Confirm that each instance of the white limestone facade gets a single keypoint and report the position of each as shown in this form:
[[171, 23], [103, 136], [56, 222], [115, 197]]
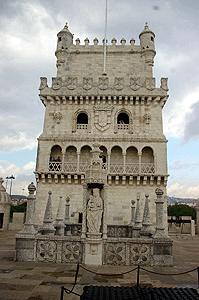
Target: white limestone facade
[[120, 109]]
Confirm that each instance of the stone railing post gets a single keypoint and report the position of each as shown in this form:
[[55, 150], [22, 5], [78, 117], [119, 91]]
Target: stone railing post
[[140, 161], [66, 218], [78, 159], [29, 224], [160, 228], [83, 236], [132, 213], [146, 222], [104, 230]]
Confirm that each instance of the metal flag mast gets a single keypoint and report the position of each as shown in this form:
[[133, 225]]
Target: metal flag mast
[[104, 70]]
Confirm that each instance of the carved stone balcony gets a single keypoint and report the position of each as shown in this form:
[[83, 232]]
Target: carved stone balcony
[[82, 126], [123, 126], [135, 168]]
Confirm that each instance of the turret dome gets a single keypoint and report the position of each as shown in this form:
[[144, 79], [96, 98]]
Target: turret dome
[[4, 196]]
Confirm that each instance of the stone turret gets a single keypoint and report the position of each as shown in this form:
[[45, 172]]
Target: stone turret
[[65, 38], [147, 44]]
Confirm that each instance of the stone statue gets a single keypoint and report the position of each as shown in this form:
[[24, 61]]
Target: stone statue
[[94, 212]]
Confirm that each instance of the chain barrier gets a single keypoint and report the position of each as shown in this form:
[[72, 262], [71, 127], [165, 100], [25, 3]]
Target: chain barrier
[[152, 292]]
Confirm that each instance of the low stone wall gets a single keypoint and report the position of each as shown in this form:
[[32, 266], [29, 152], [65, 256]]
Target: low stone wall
[[115, 251]]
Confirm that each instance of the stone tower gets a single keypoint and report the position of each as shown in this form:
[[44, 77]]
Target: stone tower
[[120, 110]]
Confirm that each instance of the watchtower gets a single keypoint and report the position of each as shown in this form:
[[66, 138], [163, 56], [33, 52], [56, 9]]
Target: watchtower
[[121, 110]]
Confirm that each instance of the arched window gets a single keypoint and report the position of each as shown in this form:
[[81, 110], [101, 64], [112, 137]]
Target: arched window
[[71, 159], [132, 161], [123, 121], [55, 163], [116, 161], [147, 161], [82, 121], [85, 158]]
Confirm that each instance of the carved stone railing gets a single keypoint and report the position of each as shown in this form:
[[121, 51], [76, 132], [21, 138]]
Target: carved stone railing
[[116, 168], [82, 126], [70, 167], [123, 126], [132, 168], [118, 231], [83, 166], [74, 229], [147, 168], [55, 166]]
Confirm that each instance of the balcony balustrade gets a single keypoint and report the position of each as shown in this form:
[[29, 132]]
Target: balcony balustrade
[[123, 126], [135, 168], [82, 126]]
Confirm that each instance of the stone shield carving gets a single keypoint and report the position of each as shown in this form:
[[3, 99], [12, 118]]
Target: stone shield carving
[[87, 83], [164, 85], [150, 83], [103, 83], [135, 83], [102, 119], [56, 83], [119, 83], [43, 83], [71, 83]]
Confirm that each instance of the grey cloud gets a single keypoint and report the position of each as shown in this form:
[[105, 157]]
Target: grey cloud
[[175, 25], [178, 165], [191, 131]]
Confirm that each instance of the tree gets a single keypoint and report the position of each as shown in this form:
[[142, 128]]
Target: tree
[[182, 210]]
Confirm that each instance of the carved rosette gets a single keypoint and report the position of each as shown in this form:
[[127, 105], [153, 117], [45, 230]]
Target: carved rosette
[[150, 83], [164, 85], [46, 251], [57, 116], [71, 83], [135, 83], [119, 83], [140, 254], [102, 119], [115, 254], [43, 83], [103, 83], [72, 252], [87, 83], [56, 83]]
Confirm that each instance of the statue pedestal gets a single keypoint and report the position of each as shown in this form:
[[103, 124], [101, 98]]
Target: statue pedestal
[[93, 251]]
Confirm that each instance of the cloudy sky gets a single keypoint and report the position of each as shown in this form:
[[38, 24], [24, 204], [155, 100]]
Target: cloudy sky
[[27, 45]]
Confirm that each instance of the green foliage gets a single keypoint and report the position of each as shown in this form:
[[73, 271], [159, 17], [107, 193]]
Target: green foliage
[[181, 210], [18, 208]]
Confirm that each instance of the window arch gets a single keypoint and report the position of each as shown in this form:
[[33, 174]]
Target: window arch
[[123, 121], [147, 161], [82, 121], [55, 163]]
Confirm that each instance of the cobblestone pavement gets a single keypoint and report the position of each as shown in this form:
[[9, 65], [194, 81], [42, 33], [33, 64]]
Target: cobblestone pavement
[[41, 281]]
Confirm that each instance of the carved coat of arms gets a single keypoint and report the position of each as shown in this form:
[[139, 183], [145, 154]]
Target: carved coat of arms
[[43, 83], [135, 83], [87, 83], [103, 83], [119, 83], [150, 83], [102, 117], [164, 85], [56, 83], [71, 83]]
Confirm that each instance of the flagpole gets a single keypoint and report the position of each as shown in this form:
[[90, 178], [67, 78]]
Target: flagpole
[[104, 70]]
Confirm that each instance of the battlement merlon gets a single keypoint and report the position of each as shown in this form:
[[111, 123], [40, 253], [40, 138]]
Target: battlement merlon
[[120, 59]]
